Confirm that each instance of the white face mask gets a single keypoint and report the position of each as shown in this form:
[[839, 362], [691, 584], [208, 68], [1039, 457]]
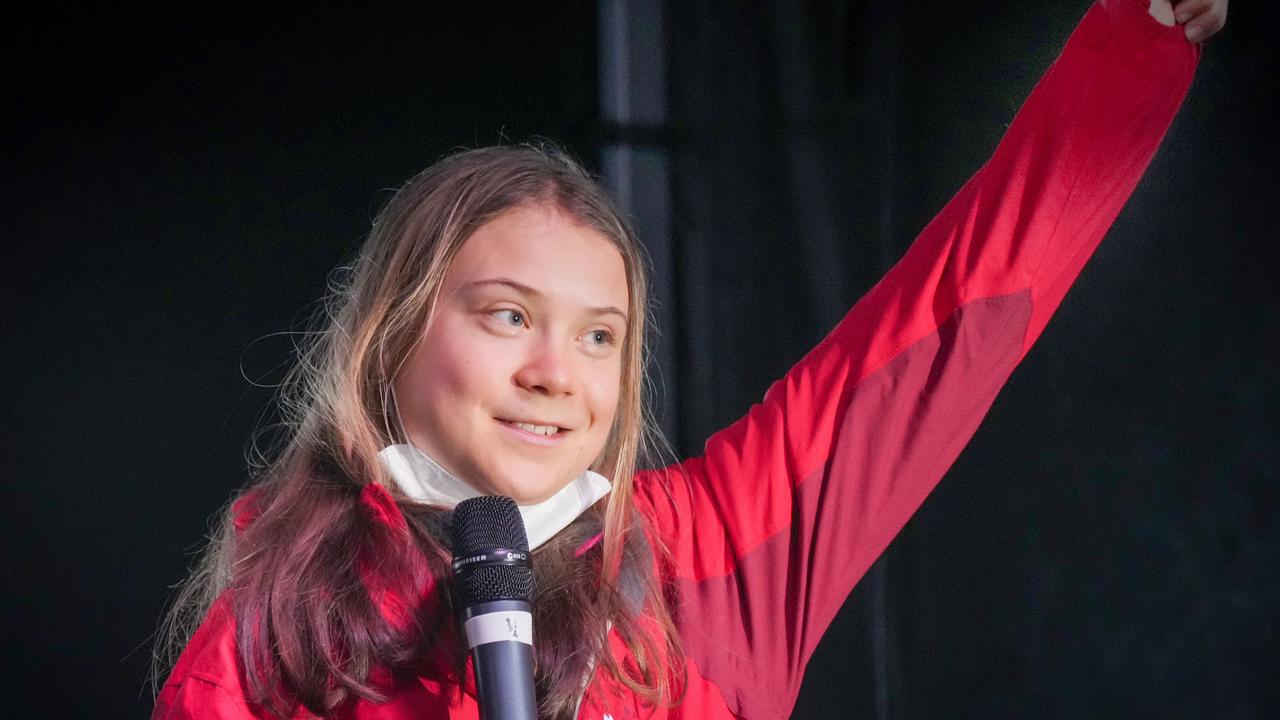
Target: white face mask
[[423, 480]]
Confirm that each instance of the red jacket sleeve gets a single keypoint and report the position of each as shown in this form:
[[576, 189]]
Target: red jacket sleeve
[[787, 508]]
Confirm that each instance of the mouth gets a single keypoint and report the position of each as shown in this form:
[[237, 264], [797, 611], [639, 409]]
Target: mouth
[[538, 428]]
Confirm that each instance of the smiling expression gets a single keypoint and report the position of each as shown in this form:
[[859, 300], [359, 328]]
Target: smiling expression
[[513, 386]]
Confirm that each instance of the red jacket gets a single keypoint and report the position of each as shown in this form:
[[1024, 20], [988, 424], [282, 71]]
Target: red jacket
[[787, 508]]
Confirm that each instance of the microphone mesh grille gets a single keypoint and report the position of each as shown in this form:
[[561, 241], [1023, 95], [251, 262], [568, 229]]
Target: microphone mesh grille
[[488, 523]]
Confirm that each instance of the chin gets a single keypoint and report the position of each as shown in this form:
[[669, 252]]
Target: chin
[[532, 496], [525, 493]]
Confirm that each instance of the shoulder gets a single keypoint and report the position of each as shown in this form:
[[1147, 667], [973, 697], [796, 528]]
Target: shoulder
[[207, 678]]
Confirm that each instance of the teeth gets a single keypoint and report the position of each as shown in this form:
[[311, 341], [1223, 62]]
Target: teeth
[[538, 429]]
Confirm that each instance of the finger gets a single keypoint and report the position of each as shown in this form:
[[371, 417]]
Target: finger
[[1207, 23], [1162, 11], [1187, 10], [1204, 26]]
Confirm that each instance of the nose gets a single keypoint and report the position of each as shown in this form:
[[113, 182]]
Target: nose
[[545, 370]]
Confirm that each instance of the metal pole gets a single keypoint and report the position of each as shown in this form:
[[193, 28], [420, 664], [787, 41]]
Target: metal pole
[[633, 107]]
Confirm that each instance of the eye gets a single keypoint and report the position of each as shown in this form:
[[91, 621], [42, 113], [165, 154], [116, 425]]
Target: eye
[[599, 338], [508, 317]]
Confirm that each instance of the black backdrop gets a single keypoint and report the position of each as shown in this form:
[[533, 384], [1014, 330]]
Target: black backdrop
[[179, 184]]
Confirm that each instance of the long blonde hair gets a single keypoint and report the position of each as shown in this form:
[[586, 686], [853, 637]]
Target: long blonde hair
[[293, 542]]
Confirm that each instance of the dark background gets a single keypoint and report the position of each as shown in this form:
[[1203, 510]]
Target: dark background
[[178, 186]]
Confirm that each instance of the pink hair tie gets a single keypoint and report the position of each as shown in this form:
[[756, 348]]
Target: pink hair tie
[[245, 510], [582, 549], [379, 506]]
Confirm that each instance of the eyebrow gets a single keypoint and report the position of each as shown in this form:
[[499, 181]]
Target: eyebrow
[[532, 292]]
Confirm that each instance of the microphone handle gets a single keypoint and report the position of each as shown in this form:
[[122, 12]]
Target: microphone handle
[[504, 667]]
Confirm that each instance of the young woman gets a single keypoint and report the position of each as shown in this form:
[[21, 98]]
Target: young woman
[[490, 342]]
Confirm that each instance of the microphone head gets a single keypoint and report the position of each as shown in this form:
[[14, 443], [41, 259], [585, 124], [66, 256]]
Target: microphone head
[[490, 551]]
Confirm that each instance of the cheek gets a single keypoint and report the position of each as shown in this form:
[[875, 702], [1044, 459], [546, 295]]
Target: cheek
[[471, 380], [456, 356], [446, 375], [606, 388]]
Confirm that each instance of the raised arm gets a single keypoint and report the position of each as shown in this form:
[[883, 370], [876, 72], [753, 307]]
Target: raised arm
[[773, 525]]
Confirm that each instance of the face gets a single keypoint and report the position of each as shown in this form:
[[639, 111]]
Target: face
[[513, 386]]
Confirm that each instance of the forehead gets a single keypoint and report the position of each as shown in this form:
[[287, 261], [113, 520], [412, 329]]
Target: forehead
[[542, 247]]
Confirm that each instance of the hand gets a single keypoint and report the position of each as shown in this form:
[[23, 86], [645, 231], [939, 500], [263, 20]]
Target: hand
[[1200, 19]]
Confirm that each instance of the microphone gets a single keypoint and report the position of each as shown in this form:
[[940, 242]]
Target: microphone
[[493, 584]]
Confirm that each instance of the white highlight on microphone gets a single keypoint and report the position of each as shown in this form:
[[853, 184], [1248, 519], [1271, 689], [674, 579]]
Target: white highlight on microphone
[[504, 625]]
